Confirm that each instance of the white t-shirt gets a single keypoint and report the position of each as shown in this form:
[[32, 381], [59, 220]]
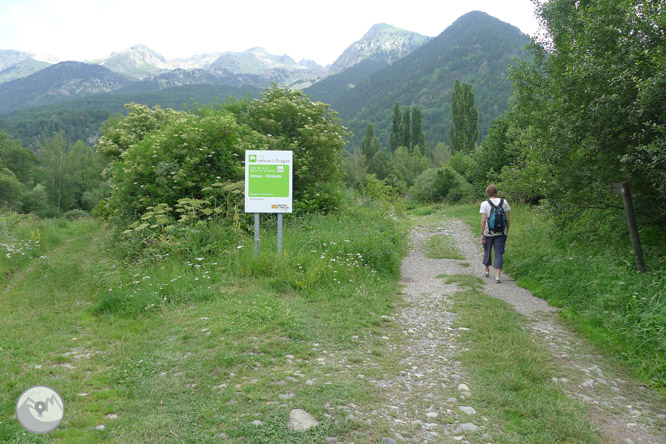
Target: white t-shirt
[[485, 208]]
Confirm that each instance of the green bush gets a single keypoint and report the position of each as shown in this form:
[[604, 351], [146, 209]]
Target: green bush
[[452, 186], [290, 120], [425, 189], [160, 157], [76, 214]]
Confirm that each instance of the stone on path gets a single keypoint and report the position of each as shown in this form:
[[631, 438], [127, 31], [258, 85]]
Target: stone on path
[[467, 427], [300, 420], [388, 441], [468, 410]]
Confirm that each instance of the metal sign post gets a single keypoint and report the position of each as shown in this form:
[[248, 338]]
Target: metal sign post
[[622, 188], [257, 216], [268, 188]]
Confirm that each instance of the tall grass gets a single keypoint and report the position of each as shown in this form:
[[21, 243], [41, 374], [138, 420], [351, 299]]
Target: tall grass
[[591, 275], [24, 237], [333, 255]]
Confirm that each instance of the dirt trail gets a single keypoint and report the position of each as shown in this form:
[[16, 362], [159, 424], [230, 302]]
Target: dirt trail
[[434, 384]]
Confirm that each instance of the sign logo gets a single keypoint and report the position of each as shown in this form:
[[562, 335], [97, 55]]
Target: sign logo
[[253, 158], [40, 409]]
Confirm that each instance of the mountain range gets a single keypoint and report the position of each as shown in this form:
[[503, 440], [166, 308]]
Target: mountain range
[[385, 66]]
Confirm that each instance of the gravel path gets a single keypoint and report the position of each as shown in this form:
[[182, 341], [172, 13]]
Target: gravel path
[[428, 401]]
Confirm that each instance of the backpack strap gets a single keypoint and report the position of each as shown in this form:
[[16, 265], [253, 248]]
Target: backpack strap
[[501, 204]]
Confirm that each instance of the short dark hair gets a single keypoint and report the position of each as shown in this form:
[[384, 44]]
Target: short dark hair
[[491, 191]]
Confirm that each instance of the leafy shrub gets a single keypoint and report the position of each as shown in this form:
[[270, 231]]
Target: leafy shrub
[[291, 121], [161, 157], [424, 189], [76, 214], [178, 160], [452, 185]]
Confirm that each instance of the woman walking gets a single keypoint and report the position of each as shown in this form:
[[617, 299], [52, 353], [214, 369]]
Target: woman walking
[[495, 211]]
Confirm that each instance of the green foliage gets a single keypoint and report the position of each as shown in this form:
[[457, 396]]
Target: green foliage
[[387, 193], [598, 288], [36, 200], [591, 100], [10, 189], [396, 129], [438, 155], [76, 214], [464, 133], [70, 176], [406, 128], [370, 144], [17, 159], [164, 156], [418, 136], [380, 165], [291, 121], [452, 186], [83, 118], [354, 168], [424, 189]]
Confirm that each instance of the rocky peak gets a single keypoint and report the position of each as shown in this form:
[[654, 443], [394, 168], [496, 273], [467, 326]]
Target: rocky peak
[[383, 42]]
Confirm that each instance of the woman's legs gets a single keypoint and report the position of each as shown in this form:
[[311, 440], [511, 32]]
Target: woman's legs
[[497, 243]]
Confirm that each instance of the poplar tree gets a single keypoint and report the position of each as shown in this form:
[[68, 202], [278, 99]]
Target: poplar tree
[[418, 136], [370, 144], [394, 141], [464, 132], [406, 129]]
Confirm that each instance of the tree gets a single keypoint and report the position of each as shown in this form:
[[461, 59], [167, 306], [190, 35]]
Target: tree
[[10, 189], [370, 144], [380, 165], [418, 136], [406, 129], [464, 132], [591, 104], [18, 160], [52, 159], [395, 137], [354, 168]]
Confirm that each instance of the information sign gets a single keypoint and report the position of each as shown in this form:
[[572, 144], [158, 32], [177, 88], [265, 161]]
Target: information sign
[[268, 181]]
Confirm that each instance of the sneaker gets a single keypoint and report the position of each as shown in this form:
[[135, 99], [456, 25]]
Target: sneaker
[[498, 280], [486, 273]]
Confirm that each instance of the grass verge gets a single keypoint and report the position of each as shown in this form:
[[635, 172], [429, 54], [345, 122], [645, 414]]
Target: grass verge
[[592, 278], [512, 372], [442, 246]]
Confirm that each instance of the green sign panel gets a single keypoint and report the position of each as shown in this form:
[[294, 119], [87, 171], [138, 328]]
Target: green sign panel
[[268, 180]]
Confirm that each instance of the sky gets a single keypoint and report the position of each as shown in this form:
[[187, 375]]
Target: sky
[[303, 29]]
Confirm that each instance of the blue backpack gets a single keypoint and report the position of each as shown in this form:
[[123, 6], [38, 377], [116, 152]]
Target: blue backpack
[[497, 219]]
